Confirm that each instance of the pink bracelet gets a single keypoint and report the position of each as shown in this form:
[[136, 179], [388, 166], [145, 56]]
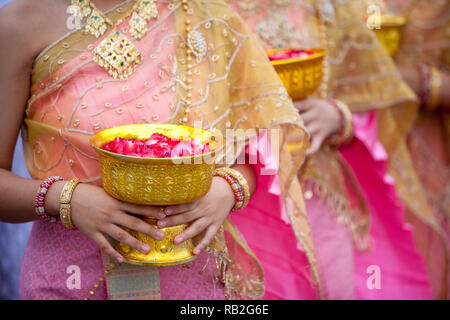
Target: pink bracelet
[[39, 204], [425, 77], [238, 191], [346, 130]]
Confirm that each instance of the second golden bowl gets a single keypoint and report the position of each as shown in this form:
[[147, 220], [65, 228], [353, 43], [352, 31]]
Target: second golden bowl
[[300, 76], [391, 32]]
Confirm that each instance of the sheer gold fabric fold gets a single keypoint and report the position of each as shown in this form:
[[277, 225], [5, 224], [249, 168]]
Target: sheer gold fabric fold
[[426, 40]]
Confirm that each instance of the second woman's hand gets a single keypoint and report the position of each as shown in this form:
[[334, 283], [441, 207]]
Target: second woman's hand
[[204, 215], [321, 120]]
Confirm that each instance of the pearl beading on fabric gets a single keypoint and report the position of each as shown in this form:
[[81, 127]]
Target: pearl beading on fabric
[[189, 52]]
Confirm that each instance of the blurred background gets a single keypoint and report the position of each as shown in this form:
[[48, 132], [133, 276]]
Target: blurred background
[[13, 237]]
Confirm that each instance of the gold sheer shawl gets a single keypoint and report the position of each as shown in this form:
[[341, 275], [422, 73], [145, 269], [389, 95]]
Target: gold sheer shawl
[[359, 73], [426, 40], [235, 87], [365, 77]]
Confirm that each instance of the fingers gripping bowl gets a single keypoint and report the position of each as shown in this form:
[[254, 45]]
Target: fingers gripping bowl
[[157, 182]]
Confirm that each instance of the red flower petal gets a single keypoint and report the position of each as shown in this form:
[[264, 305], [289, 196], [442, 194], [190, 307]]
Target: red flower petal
[[157, 146]]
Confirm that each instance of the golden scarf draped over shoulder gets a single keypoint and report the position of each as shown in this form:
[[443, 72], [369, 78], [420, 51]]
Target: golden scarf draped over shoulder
[[235, 87]]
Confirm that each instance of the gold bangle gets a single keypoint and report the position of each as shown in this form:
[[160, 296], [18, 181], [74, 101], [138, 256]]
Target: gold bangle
[[241, 180], [64, 201], [347, 130], [435, 89]]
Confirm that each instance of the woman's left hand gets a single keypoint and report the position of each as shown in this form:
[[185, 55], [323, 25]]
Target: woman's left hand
[[321, 120], [206, 214]]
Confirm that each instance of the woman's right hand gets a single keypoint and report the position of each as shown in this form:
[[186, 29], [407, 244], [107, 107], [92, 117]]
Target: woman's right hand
[[97, 214]]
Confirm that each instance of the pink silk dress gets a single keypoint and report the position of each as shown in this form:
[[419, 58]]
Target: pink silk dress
[[345, 272], [402, 268], [80, 99]]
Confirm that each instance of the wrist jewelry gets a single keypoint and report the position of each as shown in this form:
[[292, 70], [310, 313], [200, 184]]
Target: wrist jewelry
[[431, 83], [64, 200], [345, 133], [238, 184], [425, 77], [39, 204], [435, 89]]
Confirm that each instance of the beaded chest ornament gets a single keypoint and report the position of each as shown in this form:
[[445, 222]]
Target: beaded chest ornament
[[119, 56]]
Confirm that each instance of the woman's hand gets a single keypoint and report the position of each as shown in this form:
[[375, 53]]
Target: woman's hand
[[97, 214], [413, 78], [321, 119], [206, 214]]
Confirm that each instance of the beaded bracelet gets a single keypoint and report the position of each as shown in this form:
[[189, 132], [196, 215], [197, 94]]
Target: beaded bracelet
[[242, 182], [237, 190], [39, 203], [425, 81], [436, 86], [238, 184], [346, 130]]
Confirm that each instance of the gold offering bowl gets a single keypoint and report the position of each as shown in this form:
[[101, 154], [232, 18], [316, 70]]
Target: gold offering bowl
[[163, 252], [300, 76], [157, 182], [391, 32]]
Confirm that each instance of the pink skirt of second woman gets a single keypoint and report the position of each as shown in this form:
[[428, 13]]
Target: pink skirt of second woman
[[391, 269]]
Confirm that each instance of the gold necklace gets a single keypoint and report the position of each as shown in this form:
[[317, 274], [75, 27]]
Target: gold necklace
[[97, 22], [116, 53], [120, 57]]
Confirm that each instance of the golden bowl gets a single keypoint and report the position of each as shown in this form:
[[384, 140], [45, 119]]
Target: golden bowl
[[391, 32], [300, 76], [157, 182], [162, 252]]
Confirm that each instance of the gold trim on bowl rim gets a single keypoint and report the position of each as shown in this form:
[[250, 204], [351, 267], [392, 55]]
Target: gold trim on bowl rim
[[391, 20], [390, 32]]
